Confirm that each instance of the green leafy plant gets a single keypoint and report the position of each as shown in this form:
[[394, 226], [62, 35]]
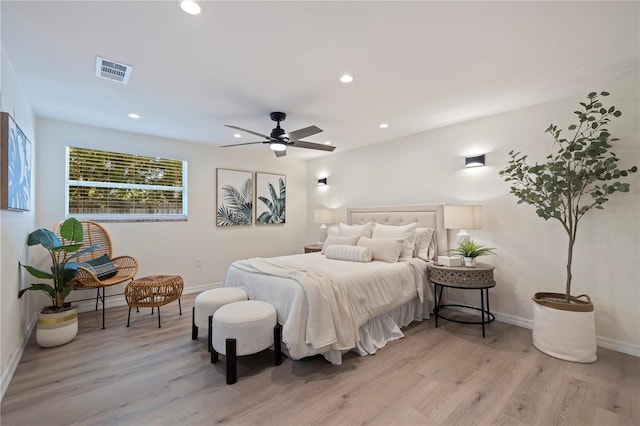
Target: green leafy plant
[[580, 176], [63, 268], [276, 206], [472, 249]]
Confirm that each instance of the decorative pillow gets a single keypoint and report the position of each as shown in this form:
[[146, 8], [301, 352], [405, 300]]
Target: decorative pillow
[[350, 253], [101, 267], [333, 230], [332, 240], [425, 246], [406, 232], [385, 249], [364, 230]]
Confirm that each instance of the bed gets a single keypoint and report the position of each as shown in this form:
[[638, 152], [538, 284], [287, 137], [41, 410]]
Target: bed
[[331, 306]]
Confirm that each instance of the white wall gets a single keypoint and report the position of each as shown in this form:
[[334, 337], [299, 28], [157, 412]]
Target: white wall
[[15, 315], [172, 247], [428, 167]]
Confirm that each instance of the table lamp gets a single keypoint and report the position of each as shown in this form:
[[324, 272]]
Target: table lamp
[[463, 218], [323, 216]]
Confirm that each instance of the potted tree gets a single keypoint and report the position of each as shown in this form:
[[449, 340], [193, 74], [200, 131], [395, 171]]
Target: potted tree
[[58, 323], [469, 250], [578, 177]]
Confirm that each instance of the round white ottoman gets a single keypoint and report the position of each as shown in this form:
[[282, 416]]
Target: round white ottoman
[[244, 328], [208, 302]]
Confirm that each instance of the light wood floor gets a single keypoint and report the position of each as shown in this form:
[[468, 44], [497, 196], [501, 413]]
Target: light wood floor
[[447, 376]]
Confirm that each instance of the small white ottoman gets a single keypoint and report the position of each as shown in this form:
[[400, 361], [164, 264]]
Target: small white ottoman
[[208, 302], [245, 328]]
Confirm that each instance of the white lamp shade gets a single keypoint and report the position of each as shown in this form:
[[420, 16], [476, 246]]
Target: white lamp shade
[[323, 216], [463, 217]]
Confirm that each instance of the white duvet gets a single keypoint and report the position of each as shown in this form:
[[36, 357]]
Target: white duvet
[[321, 303]]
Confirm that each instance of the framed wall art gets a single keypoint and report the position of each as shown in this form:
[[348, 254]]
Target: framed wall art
[[234, 197], [15, 166], [271, 198]]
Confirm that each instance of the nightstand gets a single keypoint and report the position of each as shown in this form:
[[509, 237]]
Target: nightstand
[[312, 248], [479, 277]]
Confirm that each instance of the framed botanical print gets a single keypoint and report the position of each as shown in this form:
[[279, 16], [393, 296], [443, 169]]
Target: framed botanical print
[[234, 197], [271, 198], [15, 166]]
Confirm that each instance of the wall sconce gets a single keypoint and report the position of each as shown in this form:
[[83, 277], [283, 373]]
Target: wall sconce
[[474, 161], [322, 181]]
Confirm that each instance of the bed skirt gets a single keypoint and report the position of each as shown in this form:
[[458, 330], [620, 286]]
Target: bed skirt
[[384, 328]]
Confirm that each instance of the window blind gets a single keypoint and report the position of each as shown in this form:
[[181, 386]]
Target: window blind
[[118, 186]]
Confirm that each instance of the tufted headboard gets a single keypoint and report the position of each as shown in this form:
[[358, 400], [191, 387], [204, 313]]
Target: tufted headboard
[[428, 215]]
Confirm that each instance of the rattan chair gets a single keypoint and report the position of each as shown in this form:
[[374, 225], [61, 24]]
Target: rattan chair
[[94, 233]]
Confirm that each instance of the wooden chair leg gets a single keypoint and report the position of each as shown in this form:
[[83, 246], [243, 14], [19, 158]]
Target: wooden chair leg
[[129, 316], [277, 339], [159, 326], [180, 306], [194, 328], [232, 375], [214, 356]]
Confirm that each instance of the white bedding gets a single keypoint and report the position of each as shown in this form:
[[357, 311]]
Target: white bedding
[[322, 303]]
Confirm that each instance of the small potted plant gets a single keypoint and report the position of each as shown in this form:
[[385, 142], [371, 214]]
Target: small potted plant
[[58, 323], [470, 250]]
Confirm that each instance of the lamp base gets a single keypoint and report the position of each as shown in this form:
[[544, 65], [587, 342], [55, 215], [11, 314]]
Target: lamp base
[[463, 237], [323, 233]]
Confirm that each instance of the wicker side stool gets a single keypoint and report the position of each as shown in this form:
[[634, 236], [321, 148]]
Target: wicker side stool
[[152, 292]]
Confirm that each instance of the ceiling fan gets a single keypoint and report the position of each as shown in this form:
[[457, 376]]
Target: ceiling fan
[[279, 140]]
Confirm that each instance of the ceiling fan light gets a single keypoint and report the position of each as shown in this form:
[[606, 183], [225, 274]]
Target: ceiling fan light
[[277, 146]]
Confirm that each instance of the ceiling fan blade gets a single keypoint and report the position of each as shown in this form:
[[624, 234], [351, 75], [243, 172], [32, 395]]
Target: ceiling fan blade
[[311, 145], [250, 131], [281, 153], [246, 143], [303, 133]]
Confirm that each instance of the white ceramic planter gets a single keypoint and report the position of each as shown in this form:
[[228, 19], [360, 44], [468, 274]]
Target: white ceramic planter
[[470, 262], [56, 329], [565, 334]]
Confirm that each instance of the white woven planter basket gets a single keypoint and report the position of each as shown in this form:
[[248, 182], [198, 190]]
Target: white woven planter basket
[[565, 334]]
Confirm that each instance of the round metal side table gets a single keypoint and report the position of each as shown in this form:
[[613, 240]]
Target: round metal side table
[[479, 277]]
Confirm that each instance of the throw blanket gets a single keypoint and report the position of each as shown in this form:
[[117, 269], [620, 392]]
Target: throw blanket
[[330, 322]]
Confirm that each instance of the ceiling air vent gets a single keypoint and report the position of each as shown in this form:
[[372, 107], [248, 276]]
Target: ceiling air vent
[[111, 70]]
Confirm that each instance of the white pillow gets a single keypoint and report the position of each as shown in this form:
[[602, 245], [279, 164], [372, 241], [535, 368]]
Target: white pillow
[[333, 230], [425, 246], [332, 240], [406, 232], [364, 230], [350, 253], [385, 249]]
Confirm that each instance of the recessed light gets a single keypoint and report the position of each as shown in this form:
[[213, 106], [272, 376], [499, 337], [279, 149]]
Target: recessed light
[[237, 135], [190, 7], [347, 78], [383, 125], [134, 115], [327, 142]]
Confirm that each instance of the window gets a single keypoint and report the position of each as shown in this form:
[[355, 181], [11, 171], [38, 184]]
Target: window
[[103, 185]]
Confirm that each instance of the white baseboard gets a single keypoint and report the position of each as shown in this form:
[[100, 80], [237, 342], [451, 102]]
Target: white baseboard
[[618, 346], [15, 359], [113, 301], [603, 342]]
